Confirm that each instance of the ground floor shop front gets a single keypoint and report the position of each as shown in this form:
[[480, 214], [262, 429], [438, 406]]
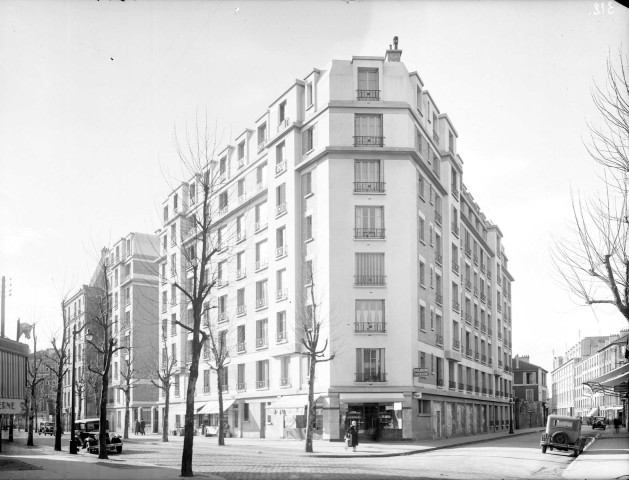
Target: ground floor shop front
[[406, 415]]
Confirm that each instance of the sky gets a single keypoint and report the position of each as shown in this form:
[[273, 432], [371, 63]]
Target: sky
[[91, 94]]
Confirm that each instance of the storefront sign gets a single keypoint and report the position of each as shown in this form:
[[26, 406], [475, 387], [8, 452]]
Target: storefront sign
[[12, 406], [420, 372], [621, 388]]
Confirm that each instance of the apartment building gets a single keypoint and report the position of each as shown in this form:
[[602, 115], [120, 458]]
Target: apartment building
[[530, 390], [133, 285], [81, 309], [348, 188]]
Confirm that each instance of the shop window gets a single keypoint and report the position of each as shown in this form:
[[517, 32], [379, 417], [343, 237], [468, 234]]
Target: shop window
[[424, 407]]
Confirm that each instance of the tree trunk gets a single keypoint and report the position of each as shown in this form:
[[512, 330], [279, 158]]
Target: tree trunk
[[29, 409], [102, 434], [126, 414], [221, 432], [165, 418], [186, 457], [310, 418], [58, 428]]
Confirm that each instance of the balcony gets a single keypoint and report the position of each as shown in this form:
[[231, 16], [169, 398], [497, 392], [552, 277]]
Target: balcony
[[241, 310], [456, 344], [367, 280], [438, 218], [371, 377], [468, 285], [223, 317], [281, 337], [489, 361], [461, 386], [285, 382], [261, 145], [455, 228], [440, 382], [490, 332], [242, 198], [439, 299], [164, 307], [370, 95], [468, 352], [368, 141], [439, 259], [468, 251], [241, 386], [451, 385], [361, 327], [222, 210], [222, 282], [482, 267], [283, 124], [439, 340], [489, 303], [241, 162], [281, 251], [483, 358], [368, 186], [261, 264], [261, 303], [477, 389], [470, 388], [499, 363], [455, 191], [477, 356], [475, 259], [476, 291], [456, 306], [281, 294], [483, 328], [260, 225], [240, 236], [476, 323], [241, 347], [499, 336], [498, 307], [468, 318], [507, 368], [484, 390], [483, 297], [280, 209], [455, 268], [489, 274], [369, 233], [242, 273], [262, 342]]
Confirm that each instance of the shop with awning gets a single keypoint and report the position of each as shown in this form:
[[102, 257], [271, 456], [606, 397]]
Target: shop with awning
[[208, 414], [378, 415], [613, 385], [291, 414]]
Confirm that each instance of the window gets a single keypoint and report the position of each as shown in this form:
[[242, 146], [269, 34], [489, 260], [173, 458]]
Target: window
[[451, 143], [285, 371], [422, 318], [422, 274], [308, 228], [241, 308], [173, 264], [176, 382], [245, 413], [240, 228], [280, 327], [260, 176], [370, 269], [262, 329], [261, 136], [241, 190], [309, 95], [368, 176], [222, 203], [240, 265], [261, 255], [224, 377], [438, 217], [529, 395], [368, 88], [280, 282], [221, 305], [241, 385], [261, 294], [422, 230], [423, 407], [240, 335], [307, 140], [280, 158], [281, 116], [260, 216], [241, 153], [262, 374], [222, 169], [306, 183], [193, 193], [420, 186], [280, 199], [368, 131], [370, 365], [418, 101], [369, 222], [369, 316], [280, 242], [206, 381]]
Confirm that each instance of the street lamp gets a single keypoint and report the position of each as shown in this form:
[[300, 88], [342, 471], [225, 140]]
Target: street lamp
[[511, 403], [88, 337]]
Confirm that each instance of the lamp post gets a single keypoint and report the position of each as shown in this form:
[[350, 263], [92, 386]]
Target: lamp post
[[511, 403], [88, 336]]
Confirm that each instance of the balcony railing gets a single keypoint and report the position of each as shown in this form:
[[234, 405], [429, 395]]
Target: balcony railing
[[440, 382], [285, 382], [455, 268], [371, 377], [470, 388], [483, 358], [368, 95], [499, 363], [240, 236], [451, 385], [439, 340], [439, 259], [490, 331], [455, 228], [456, 306], [483, 328], [456, 344], [261, 264], [222, 282], [223, 317], [261, 302], [476, 356], [476, 291], [461, 386], [489, 303], [489, 361], [241, 347], [283, 124], [438, 217], [483, 297], [477, 389], [281, 251], [369, 233], [482, 267], [368, 141], [262, 342], [241, 386], [241, 310], [476, 323], [370, 327], [439, 299], [241, 273], [476, 259], [468, 352], [281, 294], [369, 279], [455, 191], [468, 285], [369, 186], [260, 225], [280, 337], [280, 209], [468, 251]]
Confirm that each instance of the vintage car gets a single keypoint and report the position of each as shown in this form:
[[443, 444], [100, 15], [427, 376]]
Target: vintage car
[[86, 433], [599, 422], [563, 433], [46, 428]]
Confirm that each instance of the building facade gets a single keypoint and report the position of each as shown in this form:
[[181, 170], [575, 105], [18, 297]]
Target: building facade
[[348, 189], [530, 390], [133, 284]]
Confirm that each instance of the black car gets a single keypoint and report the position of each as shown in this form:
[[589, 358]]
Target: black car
[[86, 432], [599, 422]]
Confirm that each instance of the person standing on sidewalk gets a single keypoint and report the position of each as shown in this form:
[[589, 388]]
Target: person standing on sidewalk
[[353, 434], [137, 427], [616, 425]]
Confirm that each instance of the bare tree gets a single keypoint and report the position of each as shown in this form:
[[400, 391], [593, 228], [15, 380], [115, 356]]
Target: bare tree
[[105, 345], [57, 363], [594, 265], [219, 359], [309, 324], [129, 381], [164, 380], [33, 380]]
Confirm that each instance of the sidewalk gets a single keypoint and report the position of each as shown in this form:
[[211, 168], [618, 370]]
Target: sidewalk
[[606, 458]]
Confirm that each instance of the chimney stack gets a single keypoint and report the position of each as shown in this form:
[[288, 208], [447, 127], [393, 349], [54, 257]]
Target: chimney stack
[[393, 54]]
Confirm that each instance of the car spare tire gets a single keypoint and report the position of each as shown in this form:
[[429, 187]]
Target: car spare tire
[[560, 437]]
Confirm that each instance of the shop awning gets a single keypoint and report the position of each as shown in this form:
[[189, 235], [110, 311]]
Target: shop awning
[[368, 397], [614, 407], [605, 383], [212, 406], [290, 402], [593, 412]]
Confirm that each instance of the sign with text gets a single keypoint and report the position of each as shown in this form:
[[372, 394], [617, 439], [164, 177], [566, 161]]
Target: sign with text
[[12, 406], [420, 372]]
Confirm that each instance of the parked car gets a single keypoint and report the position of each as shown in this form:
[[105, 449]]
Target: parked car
[[86, 432], [563, 433], [46, 428], [599, 422]]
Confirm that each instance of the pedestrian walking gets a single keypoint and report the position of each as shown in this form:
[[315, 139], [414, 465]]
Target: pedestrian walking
[[142, 426], [616, 425], [137, 427], [352, 434]]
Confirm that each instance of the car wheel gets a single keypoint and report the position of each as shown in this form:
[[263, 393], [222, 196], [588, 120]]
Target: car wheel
[[560, 437], [119, 449], [544, 448], [551, 449]]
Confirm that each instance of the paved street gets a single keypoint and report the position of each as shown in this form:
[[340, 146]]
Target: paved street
[[507, 457]]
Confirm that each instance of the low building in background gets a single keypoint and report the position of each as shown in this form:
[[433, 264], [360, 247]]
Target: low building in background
[[530, 391]]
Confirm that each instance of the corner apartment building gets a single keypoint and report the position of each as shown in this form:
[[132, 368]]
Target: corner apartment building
[[80, 309], [352, 174], [530, 390], [133, 285]]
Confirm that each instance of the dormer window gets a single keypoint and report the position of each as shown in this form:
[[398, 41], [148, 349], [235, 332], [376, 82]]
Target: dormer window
[[368, 86]]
